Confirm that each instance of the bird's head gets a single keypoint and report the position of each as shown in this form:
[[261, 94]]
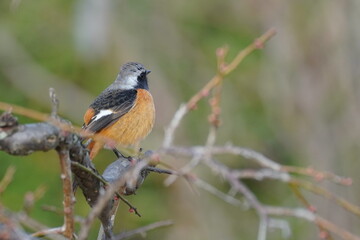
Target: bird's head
[[132, 75]]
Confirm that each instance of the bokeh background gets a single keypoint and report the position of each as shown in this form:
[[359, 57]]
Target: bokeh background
[[296, 101]]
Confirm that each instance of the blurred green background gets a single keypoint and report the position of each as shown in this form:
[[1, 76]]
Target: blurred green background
[[296, 101]]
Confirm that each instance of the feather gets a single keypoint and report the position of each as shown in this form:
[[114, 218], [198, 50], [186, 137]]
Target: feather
[[109, 106]]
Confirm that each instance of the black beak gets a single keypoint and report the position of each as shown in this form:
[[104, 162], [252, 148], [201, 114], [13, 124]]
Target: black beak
[[147, 72]]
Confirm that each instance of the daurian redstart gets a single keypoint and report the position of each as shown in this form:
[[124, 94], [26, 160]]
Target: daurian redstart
[[124, 113]]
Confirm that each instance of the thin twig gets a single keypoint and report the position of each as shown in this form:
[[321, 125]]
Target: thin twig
[[226, 149], [102, 231], [175, 121], [160, 170], [311, 217], [68, 192], [55, 103], [303, 200], [101, 179], [30, 223], [103, 201], [261, 174], [223, 70], [328, 195], [24, 111], [31, 197], [46, 232], [318, 175], [7, 179], [257, 44], [216, 192], [214, 102], [143, 230], [281, 224], [184, 170]]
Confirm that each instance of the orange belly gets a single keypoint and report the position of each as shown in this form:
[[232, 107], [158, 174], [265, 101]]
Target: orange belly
[[131, 128]]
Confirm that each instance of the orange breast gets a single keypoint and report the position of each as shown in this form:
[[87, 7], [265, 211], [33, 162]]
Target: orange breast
[[134, 125]]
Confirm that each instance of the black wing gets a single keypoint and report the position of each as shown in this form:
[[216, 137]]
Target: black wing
[[118, 101]]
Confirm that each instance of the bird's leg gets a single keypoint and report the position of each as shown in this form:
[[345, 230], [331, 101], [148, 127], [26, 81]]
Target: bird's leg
[[118, 153]]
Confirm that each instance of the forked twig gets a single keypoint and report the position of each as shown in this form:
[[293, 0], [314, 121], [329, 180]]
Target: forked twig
[[223, 70]]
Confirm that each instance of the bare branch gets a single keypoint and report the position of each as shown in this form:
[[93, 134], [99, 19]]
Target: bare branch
[[318, 175], [225, 197], [25, 139], [24, 111], [50, 231], [55, 103], [227, 69], [68, 192], [311, 217], [170, 130]]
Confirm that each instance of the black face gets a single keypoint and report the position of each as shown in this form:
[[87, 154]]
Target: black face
[[142, 81]]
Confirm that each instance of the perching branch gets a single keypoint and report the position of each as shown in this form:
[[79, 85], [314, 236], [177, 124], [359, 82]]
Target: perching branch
[[24, 139]]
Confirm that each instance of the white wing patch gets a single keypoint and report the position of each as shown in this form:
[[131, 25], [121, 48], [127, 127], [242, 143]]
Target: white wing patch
[[101, 114]]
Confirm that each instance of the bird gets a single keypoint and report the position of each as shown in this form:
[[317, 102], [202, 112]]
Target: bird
[[123, 114]]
